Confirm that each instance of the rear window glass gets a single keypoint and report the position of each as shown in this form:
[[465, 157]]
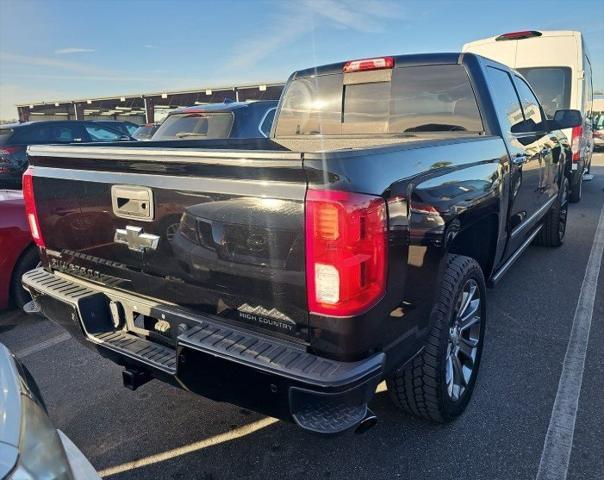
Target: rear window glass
[[5, 134], [436, 98], [195, 125], [33, 134], [551, 85]]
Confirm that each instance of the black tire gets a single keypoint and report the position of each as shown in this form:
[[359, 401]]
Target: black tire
[[28, 261], [576, 187], [421, 387], [554, 225]]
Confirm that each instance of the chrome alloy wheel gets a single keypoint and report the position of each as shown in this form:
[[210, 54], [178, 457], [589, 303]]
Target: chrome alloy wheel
[[464, 340]]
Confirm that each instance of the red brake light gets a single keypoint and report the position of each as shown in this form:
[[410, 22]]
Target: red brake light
[[379, 63], [346, 251], [519, 35], [575, 144], [30, 208]]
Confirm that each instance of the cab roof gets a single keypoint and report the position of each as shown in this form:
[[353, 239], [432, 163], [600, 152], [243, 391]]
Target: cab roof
[[450, 58]]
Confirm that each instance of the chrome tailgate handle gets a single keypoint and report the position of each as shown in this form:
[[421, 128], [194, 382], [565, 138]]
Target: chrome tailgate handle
[[130, 201]]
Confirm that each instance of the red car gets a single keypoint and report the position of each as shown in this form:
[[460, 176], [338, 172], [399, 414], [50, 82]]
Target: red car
[[18, 254]]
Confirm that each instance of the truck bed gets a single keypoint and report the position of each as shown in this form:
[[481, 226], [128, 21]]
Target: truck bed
[[298, 144]]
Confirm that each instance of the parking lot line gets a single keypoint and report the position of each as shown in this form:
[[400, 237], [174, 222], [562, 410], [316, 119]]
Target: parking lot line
[[558, 444], [192, 447], [24, 352]]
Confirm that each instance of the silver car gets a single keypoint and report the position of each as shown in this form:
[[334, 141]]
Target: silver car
[[30, 446]]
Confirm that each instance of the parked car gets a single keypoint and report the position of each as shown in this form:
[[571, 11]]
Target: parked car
[[125, 128], [598, 131], [219, 120], [30, 446], [353, 245], [557, 65], [18, 253], [14, 139], [146, 131]]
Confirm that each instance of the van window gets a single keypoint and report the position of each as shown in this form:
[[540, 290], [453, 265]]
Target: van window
[[432, 98], [530, 105], [506, 100], [551, 85]]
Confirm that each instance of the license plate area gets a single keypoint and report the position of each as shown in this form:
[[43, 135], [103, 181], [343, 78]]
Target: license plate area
[[156, 329], [143, 320]]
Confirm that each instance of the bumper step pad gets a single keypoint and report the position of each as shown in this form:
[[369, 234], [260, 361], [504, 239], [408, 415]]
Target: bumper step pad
[[150, 353], [274, 356], [329, 416]]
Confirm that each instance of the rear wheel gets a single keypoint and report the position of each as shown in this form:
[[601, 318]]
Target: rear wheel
[[438, 383], [576, 186], [554, 225], [28, 261]]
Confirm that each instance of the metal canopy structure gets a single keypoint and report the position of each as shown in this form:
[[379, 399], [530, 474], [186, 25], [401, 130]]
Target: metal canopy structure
[[144, 107]]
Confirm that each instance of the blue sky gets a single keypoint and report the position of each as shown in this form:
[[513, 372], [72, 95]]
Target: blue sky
[[65, 49]]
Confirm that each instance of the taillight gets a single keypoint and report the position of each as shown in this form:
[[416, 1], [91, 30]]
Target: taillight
[[346, 251], [9, 150], [575, 144], [30, 208], [368, 64], [518, 35]]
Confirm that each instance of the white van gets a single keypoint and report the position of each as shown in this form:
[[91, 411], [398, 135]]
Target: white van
[[558, 67]]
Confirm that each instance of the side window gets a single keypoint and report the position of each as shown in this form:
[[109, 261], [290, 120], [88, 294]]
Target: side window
[[101, 134], [267, 122], [530, 106], [32, 134], [131, 128], [506, 100], [64, 134]]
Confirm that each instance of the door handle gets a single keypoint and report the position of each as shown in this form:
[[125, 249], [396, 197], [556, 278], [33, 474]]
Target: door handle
[[519, 159]]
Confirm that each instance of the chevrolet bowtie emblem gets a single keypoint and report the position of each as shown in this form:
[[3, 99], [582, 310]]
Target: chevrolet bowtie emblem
[[136, 239]]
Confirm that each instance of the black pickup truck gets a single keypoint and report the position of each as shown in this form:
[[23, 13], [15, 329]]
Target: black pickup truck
[[292, 274]]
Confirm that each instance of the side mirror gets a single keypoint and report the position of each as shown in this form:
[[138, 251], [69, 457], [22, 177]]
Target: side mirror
[[566, 119]]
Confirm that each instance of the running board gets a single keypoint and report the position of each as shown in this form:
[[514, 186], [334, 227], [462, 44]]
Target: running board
[[506, 266]]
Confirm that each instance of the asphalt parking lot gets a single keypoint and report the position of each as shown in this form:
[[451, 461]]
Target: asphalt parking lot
[[161, 432]]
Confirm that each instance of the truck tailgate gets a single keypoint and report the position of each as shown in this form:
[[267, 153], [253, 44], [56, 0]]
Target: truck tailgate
[[213, 231]]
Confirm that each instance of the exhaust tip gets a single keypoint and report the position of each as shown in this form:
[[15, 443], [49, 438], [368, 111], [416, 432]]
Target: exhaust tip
[[368, 422]]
